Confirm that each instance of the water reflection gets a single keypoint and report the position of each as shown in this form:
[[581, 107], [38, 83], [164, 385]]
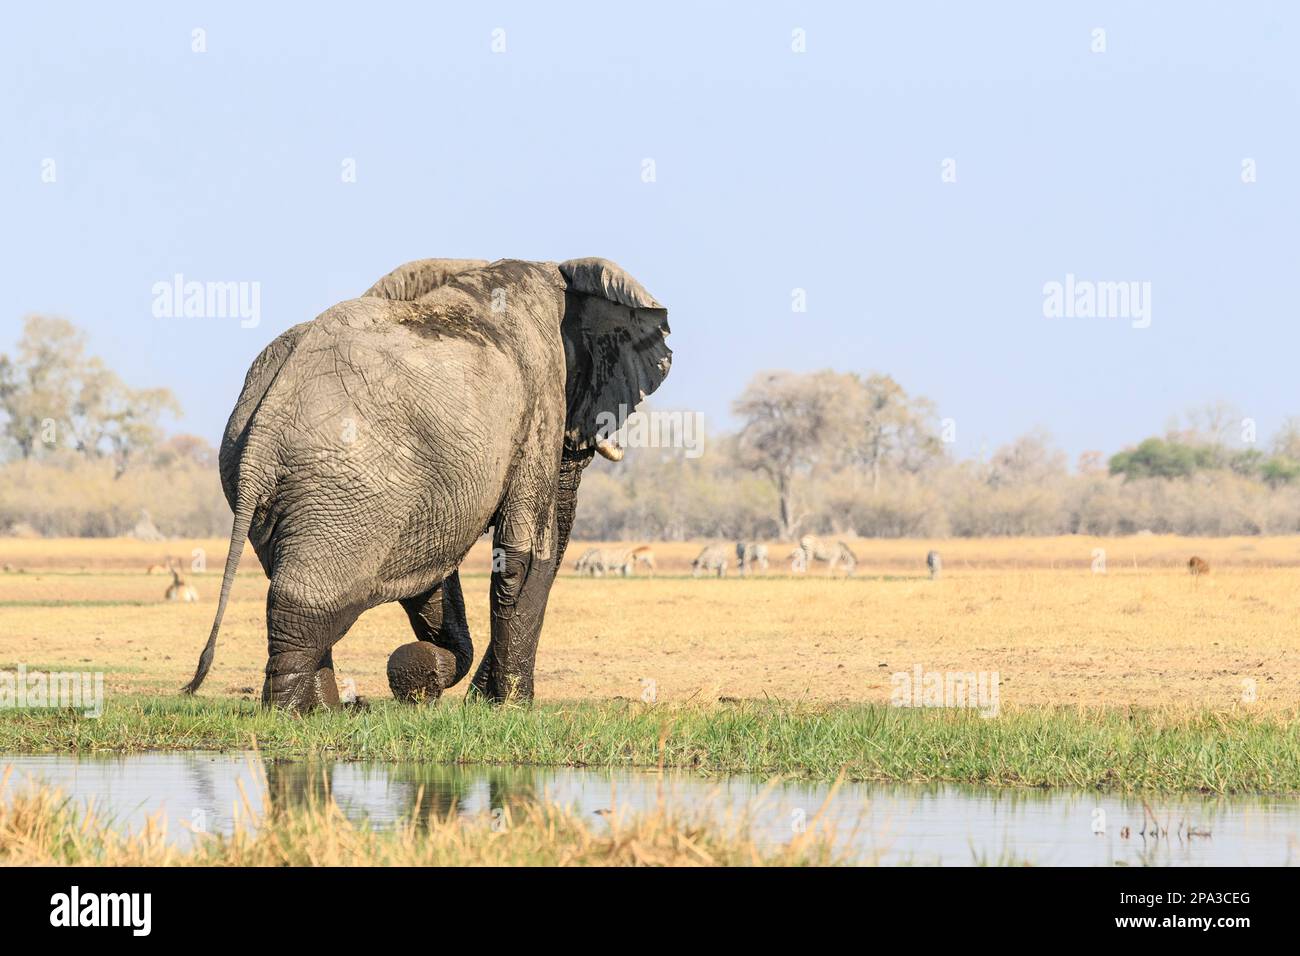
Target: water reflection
[[887, 823], [385, 793]]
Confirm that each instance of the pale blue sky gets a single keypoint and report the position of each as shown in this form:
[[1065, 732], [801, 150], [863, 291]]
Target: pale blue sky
[[775, 170]]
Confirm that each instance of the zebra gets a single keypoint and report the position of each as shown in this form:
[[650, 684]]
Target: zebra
[[597, 562], [935, 564], [712, 560], [587, 564], [750, 554], [839, 556]]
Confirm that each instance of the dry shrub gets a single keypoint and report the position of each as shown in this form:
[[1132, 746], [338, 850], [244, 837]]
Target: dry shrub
[[72, 497]]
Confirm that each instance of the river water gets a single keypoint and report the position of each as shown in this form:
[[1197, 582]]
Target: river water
[[873, 822]]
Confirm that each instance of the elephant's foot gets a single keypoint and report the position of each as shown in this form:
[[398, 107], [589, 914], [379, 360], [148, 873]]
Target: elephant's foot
[[493, 684], [421, 671], [425, 668], [300, 691], [300, 636]]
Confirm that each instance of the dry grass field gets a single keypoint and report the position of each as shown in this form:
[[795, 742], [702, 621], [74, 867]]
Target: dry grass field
[[1035, 610]]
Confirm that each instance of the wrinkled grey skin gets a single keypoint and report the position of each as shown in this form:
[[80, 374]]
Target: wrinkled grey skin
[[597, 562], [714, 559], [751, 555], [372, 446], [935, 564]]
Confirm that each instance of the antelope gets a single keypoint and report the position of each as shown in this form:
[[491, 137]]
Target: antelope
[[644, 555], [180, 589]]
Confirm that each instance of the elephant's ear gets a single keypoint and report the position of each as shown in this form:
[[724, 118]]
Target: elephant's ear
[[410, 281], [614, 332]]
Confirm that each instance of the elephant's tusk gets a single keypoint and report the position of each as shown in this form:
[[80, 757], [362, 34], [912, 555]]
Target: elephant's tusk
[[609, 450]]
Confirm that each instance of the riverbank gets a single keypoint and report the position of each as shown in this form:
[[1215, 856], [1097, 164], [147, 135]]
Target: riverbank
[[1168, 750]]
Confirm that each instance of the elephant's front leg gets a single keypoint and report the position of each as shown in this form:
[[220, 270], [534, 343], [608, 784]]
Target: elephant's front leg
[[524, 565]]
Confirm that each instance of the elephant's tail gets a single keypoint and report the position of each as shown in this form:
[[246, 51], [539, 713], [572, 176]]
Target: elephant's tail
[[238, 535]]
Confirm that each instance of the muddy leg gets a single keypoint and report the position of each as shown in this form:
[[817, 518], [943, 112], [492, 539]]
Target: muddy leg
[[300, 634], [442, 652]]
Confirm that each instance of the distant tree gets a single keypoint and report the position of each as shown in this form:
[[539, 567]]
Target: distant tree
[[132, 428], [10, 385], [1280, 470], [1028, 460], [53, 394], [791, 424], [1212, 424], [1091, 463], [1162, 458], [896, 428], [185, 449], [38, 385], [1247, 461], [1286, 442]]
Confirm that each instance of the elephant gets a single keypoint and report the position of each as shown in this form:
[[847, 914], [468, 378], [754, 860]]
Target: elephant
[[712, 560], [750, 555], [935, 564], [373, 445], [421, 793]]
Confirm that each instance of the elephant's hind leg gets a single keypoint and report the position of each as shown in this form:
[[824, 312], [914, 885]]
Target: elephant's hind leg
[[301, 630], [443, 650]]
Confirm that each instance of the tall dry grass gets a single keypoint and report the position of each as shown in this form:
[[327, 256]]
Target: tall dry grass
[[39, 827]]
